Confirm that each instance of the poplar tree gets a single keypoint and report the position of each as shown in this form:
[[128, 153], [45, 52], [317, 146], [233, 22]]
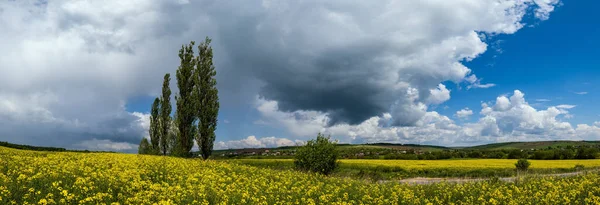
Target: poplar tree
[[185, 112], [207, 99], [155, 126], [165, 114]]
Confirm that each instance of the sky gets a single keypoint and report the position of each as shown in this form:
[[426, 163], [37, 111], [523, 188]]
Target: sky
[[83, 74]]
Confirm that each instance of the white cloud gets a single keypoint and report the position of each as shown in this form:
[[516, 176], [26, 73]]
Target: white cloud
[[510, 118], [439, 95], [464, 113], [566, 106], [543, 100], [476, 83], [544, 9], [106, 145], [72, 64], [253, 142], [581, 93]]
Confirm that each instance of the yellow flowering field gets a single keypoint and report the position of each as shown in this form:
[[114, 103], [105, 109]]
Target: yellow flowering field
[[474, 163], [28, 177], [458, 163], [401, 169]]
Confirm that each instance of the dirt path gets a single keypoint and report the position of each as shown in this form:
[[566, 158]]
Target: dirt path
[[422, 180]]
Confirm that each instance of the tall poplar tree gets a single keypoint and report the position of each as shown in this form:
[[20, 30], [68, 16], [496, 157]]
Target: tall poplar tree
[[207, 99], [186, 114], [155, 126], [165, 114]]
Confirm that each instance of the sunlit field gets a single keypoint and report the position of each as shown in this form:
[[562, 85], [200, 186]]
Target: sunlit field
[[28, 177], [459, 163], [397, 169]]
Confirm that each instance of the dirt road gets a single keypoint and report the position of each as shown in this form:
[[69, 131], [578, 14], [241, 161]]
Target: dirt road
[[422, 180]]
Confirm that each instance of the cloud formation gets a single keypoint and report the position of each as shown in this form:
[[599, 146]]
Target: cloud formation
[[69, 68], [253, 142], [464, 113], [508, 118]]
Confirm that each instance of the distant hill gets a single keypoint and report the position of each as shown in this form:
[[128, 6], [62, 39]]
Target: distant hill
[[367, 147], [493, 146], [40, 148], [534, 145], [29, 147]]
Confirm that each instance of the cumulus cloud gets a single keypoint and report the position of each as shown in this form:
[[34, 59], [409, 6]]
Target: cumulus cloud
[[464, 113], [509, 118], [72, 64], [439, 95], [253, 142]]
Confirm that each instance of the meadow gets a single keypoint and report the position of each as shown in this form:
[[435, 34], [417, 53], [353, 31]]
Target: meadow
[[36, 177], [399, 169]]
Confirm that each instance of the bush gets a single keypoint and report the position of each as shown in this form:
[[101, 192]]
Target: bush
[[318, 155], [579, 167], [522, 165]]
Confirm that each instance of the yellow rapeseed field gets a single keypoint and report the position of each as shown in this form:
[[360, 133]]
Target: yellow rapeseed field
[[474, 163], [28, 177]]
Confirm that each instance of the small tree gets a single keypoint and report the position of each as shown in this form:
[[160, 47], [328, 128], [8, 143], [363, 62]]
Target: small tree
[[522, 165], [165, 114], [318, 155], [144, 147], [155, 127]]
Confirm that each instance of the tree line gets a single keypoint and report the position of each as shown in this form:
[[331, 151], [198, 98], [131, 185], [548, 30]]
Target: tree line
[[197, 107], [568, 152]]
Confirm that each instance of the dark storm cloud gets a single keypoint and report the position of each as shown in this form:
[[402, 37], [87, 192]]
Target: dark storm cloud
[[69, 67]]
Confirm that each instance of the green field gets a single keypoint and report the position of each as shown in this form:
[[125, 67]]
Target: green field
[[400, 169]]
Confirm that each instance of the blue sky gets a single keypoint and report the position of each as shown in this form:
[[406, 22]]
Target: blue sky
[[454, 73], [553, 60]]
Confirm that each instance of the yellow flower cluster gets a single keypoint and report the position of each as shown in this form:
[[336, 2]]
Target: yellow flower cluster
[[28, 177]]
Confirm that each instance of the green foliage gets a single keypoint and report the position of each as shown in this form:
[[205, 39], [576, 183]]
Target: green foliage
[[207, 99], [318, 155], [186, 109], [587, 153], [28, 147], [172, 137], [155, 126], [145, 147], [522, 165], [165, 115], [579, 167]]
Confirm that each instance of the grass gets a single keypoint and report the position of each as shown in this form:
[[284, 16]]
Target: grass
[[400, 169]]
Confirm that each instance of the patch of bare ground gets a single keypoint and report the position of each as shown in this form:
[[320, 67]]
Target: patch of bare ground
[[423, 180]]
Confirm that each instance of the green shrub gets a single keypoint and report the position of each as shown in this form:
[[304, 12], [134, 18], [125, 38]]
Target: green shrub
[[318, 155], [579, 167], [522, 165]]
